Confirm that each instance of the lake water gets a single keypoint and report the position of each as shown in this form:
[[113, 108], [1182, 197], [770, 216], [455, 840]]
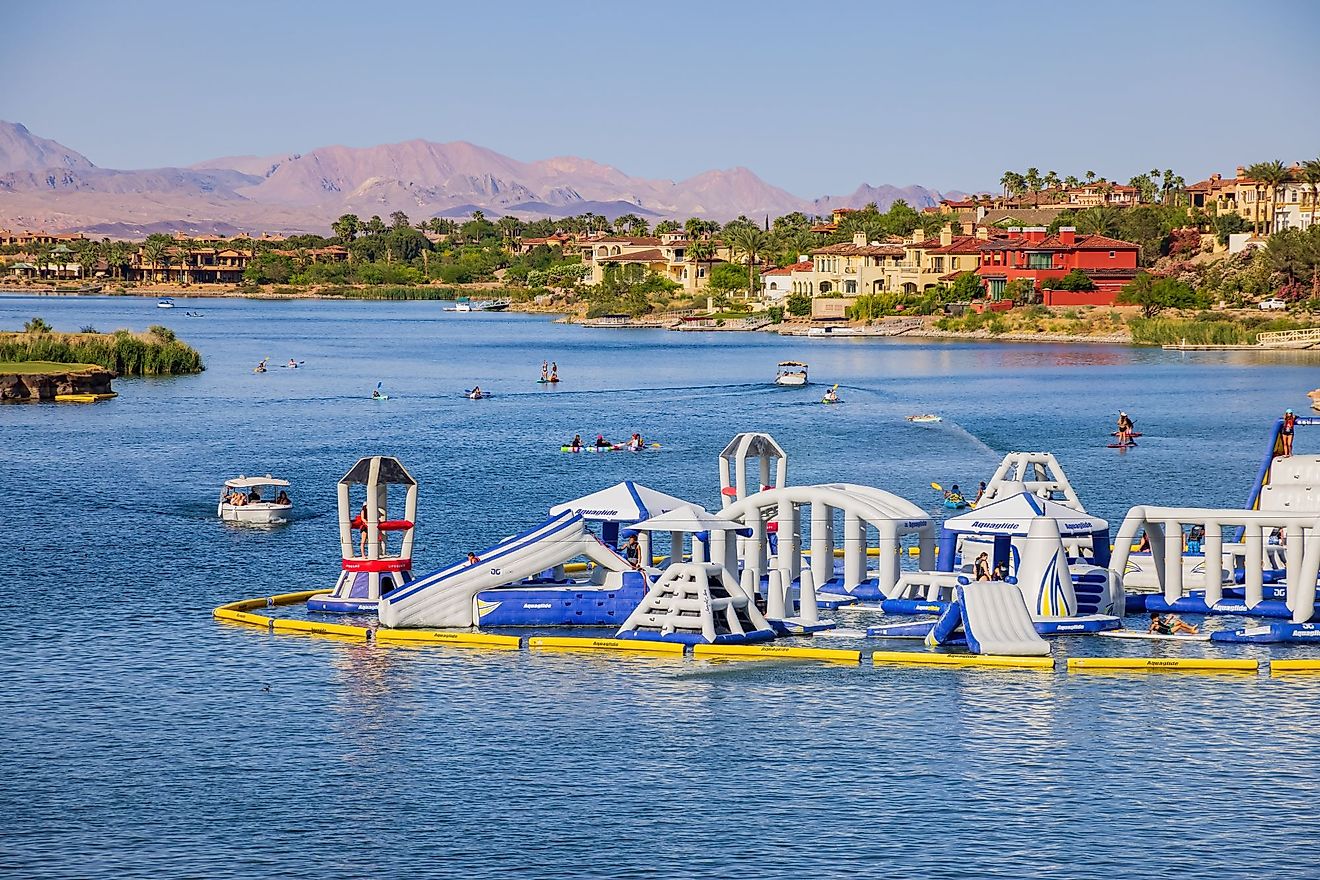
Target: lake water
[[141, 738]]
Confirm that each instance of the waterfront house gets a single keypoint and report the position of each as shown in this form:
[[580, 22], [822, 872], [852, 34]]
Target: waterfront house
[[1034, 255], [847, 268], [665, 255], [1102, 192], [777, 284]]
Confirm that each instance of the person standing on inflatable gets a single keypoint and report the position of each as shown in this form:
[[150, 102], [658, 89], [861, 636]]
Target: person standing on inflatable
[[1286, 433]]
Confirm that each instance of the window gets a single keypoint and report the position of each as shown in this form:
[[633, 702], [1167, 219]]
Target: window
[[939, 264], [1037, 260], [1111, 254], [850, 287]]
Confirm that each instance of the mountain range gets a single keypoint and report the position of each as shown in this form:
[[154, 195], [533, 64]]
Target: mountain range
[[46, 185]]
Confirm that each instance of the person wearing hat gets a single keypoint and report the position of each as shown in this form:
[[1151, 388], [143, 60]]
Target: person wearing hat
[[1286, 433], [1125, 430]]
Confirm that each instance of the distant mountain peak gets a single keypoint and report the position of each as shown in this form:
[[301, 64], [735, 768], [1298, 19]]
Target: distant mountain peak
[[46, 183]]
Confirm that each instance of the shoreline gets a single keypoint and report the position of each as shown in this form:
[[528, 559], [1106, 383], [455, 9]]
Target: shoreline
[[561, 316]]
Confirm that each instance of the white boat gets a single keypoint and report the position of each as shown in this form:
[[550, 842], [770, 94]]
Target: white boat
[[165, 303], [459, 307], [925, 419], [256, 507], [791, 373]]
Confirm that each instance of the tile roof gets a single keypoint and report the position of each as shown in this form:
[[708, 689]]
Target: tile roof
[[804, 266], [847, 249], [653, 255], [961, 244], [1052, 243], [640, 240]]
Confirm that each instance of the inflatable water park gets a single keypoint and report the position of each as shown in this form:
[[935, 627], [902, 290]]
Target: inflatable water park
[[992, 582]]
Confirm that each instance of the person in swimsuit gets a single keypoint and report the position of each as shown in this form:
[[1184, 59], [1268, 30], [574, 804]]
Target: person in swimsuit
[[1286, 433], [473, 559], [601, 442], [980, 493], [282, 498], [577, 443], [1169, 626], [1000, 573], [981, 568], [632, 551], [545, 371], [955, 495], [1125, 429]]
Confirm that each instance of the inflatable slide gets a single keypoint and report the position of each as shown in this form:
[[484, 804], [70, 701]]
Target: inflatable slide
[[447, 597], [993, 619]]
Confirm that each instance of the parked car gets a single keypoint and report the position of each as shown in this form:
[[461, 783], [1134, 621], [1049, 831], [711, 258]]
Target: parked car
[[1271, 305]]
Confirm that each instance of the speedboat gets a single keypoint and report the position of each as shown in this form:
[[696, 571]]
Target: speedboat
[[791, 373], [925, 419], [243, 501], [459, 307], [494, 305], [164, 303]]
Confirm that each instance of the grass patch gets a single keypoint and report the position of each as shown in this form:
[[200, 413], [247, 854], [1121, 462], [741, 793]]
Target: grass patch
[[154, 353], [392, 293], [32, 368], [1205, 329]]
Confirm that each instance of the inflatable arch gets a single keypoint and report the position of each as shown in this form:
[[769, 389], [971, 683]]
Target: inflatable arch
[[744, 449], [861, 506], [1163, 527], [1036, 472]]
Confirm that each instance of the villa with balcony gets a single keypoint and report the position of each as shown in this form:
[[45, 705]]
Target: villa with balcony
[[1034, 255]]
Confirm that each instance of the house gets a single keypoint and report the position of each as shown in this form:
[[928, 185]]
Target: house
[[665, 255], [929, 262], [1034, 255], [831, 308], [777, 284], [845, 268], [1102, 192], [28, 238]]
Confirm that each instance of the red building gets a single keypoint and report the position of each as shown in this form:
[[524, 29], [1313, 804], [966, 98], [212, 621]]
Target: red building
[[1034, 255]]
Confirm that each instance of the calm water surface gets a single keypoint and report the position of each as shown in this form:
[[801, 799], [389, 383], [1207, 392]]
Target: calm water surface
[[141, 738]]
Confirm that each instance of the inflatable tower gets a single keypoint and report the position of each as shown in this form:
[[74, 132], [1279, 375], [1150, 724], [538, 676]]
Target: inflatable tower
[[381, 558]]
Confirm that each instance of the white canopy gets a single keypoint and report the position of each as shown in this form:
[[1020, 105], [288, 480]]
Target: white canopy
[[1014, 514], [241, 482], [690, 518], [626, 502]]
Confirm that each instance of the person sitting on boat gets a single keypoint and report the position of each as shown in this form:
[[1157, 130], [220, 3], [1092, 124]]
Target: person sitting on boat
[[981, 568], [292, 363], [260, 368], [238, 499], [475, 393], [832, 396], [954, 496], [1286, 433], [254, 496], [601, 442], [282, 498], [1171, 625], [375, 394], [1125, 429], [577, 443], [635, 443]]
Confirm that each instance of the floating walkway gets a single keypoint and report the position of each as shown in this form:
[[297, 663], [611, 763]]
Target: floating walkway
[[244, 612]]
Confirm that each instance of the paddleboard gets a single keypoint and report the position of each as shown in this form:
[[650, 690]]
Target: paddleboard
[[1120, 445], [1133, 434], [381, 397], [1154, 637]]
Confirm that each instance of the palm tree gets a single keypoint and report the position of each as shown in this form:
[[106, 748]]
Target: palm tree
[[1009, 182], [1090, 177], [749, 240], [1071, 181], [1033, 182], [1311, 174], [1051, 180], [153, 255], [701, 251], [1100, 220], [346, 228], [509, 226], [1268, 176]]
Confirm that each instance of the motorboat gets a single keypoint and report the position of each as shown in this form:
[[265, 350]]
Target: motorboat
[[924, 419], [791, 373], [494, 305], [459, 307], [165, 302], [255, 501]]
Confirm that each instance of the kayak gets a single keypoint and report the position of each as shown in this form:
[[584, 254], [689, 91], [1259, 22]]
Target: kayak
[[546, 381], [954, 505], [381, 397], [592, 448], [826, 400]]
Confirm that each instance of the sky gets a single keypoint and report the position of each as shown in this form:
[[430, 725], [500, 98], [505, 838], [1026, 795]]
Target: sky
[[813, 97]]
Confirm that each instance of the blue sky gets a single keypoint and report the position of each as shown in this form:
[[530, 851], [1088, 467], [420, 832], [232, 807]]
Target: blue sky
[[813, 97]]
